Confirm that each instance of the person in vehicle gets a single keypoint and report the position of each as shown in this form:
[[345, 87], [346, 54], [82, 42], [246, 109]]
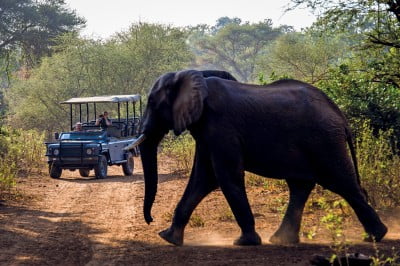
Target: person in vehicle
[[103, 120], [78, 127]]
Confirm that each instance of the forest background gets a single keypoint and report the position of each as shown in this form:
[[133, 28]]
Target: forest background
[[352, 53]]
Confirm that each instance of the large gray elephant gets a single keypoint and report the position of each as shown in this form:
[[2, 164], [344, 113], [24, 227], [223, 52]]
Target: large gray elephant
[[287, 130]]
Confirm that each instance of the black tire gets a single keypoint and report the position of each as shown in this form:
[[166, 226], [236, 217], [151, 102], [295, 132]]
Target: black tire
[[100, 170], [55, 171], [129, 165], [84, 172]]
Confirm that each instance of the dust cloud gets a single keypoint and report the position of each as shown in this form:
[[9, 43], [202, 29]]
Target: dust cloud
[[213, 239]]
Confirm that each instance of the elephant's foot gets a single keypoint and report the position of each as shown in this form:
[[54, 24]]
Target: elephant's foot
[[172, 236], [377, 235], [284, 238], [248, 239]]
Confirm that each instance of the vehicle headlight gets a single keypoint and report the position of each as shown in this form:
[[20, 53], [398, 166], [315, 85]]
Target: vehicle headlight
[[89, 151], [56, 151]]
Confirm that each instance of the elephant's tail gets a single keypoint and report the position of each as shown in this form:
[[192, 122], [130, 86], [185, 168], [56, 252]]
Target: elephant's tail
[[349, 137]]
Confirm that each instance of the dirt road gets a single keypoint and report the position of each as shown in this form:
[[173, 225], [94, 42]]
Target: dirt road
[[75, 221]]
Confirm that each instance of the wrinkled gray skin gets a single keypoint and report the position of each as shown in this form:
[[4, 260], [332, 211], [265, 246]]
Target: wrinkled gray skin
[[287, 130]]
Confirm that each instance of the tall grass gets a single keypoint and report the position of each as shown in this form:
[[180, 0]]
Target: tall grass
[[21, 153], [379, 166]]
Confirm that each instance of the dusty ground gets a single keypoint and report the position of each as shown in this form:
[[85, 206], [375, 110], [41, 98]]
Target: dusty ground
[[75, 221]]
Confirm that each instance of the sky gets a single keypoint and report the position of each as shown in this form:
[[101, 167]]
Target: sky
[[107, 17]]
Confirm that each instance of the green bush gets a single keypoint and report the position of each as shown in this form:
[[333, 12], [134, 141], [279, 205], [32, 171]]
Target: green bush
[[379, 167], [360, 98], [181, 149], [8, 173], [21, 153]]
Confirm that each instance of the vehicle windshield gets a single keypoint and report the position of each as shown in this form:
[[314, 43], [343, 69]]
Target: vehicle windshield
[[82, 135]]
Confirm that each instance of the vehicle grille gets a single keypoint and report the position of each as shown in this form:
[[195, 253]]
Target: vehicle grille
[[71, 151]]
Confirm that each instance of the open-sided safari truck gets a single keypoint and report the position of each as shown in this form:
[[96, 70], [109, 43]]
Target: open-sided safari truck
[[93, 147]]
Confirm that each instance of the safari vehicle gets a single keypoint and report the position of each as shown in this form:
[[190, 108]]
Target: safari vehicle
[[96, 148]]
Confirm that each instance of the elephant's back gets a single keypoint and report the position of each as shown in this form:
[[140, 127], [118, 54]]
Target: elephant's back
[[286, 108]]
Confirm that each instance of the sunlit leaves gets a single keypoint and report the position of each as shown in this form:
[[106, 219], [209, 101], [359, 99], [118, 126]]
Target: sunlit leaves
[[127, 64]]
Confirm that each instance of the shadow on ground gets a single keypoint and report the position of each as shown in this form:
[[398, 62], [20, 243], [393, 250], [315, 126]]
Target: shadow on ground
[[47, 238], [151, 254], [42, 238]]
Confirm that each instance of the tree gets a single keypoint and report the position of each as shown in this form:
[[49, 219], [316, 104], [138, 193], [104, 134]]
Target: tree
[[224, 21], [378, 21], [303, 56], [32, 25], [127, 64], [234, 46]]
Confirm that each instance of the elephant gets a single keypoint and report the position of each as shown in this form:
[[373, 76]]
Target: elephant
[[286, 130], [218, 73]]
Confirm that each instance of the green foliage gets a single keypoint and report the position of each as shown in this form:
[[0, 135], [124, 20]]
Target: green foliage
[[181, 149], [20, 154], [127, 64], [8, 173], [373, 26], [363, 99], [334, 223], [384, 260], [30, 26], [233, 45], [379, 168], [9, 65], [336, 213], [378, 20], [302, 56]]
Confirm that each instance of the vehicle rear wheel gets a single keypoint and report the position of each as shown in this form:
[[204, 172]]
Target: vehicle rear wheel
[[100, 170], [129, 165], [84, 172], [55, 171]]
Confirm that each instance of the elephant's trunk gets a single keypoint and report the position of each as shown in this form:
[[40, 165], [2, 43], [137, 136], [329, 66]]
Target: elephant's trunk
[[148, 150]]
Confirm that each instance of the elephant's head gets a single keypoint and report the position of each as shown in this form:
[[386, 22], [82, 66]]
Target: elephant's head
[[175, 102]]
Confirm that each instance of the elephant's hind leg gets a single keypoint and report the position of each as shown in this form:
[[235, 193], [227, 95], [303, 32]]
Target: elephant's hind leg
[[370, 220], [288, 232], [230, 175], [340, 177], [235, 194]]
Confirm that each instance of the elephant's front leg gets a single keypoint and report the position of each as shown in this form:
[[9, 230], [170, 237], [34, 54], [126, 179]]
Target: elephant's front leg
[[288, 232], [202, 181]]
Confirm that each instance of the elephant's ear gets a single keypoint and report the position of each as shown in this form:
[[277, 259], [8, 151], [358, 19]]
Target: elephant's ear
[[188, 105]]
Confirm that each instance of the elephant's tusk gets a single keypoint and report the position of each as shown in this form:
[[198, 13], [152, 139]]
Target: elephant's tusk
[[139, 140]]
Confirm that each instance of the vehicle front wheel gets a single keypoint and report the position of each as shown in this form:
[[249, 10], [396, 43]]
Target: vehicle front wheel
[[100, 170], [55, 171], [84, 172], [129, 165]]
